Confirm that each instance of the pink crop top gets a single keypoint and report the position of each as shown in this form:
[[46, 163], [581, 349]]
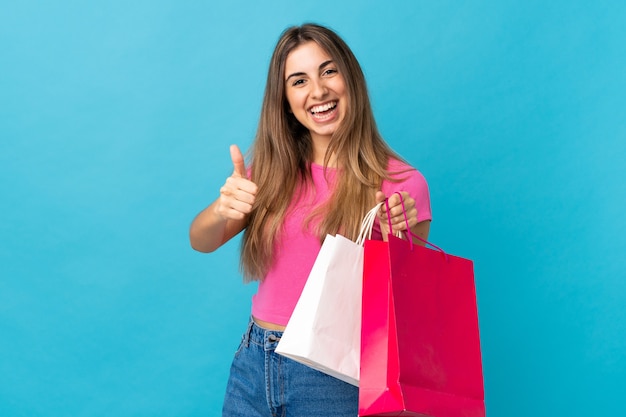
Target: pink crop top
[[298, 247]]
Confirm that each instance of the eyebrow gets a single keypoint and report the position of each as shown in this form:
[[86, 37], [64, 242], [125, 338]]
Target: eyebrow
[[298, 74]]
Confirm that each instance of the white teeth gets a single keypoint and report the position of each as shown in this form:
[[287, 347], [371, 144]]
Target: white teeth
[[324, 107]]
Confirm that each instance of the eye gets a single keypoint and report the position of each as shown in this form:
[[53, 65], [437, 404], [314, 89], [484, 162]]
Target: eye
[[329, 71], [298, 82]]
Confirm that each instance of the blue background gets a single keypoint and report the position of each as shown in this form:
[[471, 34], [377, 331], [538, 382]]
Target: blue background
[[115, 122]]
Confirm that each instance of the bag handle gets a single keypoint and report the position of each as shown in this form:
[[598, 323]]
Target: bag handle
[[409, 233], [368, 224]]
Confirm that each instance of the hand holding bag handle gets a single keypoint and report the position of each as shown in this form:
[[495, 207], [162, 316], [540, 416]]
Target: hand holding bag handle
[[409, 233], [368, 224]]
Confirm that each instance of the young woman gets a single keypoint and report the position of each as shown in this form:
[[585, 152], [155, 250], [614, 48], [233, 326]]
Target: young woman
[[318, 164]]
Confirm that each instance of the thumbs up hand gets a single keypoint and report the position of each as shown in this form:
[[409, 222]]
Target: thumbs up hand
[[238, 194]]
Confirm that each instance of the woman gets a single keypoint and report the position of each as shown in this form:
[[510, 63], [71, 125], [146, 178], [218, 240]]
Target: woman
[[318, 164]]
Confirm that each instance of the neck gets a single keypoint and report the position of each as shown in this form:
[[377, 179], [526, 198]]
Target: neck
[[320, 146]]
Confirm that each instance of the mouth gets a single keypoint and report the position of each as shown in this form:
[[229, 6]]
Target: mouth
[[323, 112]]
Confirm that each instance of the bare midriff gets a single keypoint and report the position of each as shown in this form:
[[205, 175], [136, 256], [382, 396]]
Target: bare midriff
[[269, 326]]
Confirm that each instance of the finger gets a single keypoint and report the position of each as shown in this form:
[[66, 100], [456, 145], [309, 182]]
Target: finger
[[240, 206], [403, 223], [394, 200], [235, 183], [399, 205], [390, 207], [238, 161], [232, 207], [231, 197], [231, 213]]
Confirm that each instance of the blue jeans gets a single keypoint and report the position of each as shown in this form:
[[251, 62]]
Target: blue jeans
[[263, 383]]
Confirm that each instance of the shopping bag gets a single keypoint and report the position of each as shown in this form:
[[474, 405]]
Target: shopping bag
[[324, 330], [420, 347]]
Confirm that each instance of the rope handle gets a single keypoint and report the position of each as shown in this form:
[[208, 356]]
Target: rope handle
[[409, 233], [368, 224]]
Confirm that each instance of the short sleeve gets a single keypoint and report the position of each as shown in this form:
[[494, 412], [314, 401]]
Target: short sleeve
[[413, 182]]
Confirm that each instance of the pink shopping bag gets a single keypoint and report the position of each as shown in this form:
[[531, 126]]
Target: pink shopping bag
[[420, 347]]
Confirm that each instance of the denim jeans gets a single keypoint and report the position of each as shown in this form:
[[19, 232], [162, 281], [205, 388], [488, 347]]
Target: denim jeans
[[263, 383]]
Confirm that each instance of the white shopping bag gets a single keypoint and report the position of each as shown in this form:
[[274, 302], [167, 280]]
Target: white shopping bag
[[324, 331]]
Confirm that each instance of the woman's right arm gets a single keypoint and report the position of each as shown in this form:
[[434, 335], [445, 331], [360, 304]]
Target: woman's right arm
[[228, 215]]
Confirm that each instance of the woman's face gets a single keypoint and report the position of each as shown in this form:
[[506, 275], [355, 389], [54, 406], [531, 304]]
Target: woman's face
[[315, 90]]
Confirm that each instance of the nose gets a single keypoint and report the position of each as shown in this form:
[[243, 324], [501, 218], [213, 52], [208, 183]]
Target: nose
[[319, 89]]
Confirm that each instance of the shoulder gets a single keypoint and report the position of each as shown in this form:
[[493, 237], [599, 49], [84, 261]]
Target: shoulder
[[402, 173]]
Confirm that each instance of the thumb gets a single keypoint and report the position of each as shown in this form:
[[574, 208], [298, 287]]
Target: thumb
[[380, 197], [238, 161]]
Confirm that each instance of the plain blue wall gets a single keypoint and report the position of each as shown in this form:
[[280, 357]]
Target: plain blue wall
[[115, 121]]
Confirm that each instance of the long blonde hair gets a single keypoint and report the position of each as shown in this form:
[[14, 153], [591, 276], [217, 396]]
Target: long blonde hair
[[282, 151]]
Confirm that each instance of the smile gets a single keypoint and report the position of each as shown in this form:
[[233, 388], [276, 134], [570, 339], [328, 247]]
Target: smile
[[323, 107]]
